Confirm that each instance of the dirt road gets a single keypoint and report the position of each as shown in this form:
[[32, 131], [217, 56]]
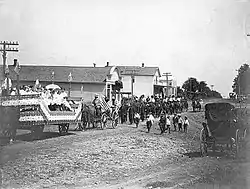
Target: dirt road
[[126, 157]]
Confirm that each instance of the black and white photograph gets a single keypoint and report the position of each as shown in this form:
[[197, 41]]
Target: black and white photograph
[[125, 94]]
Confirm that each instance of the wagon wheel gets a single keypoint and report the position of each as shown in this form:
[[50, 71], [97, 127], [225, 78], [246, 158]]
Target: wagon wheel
[[114, 120], [9, 133], [63, 128], [203, 144], [244, 134]]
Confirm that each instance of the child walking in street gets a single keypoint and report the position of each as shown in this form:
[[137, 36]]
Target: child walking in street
[[180, 122], [186, 124], [150, 121], [137, 119], [168, 123]]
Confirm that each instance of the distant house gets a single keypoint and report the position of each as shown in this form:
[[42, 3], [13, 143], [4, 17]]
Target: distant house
[[171, 87], [84, 81], [146, 80]]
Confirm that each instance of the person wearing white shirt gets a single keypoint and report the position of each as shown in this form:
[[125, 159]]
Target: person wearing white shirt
[[168, 124], [180, 123], [150, 121], [186, 124], [152, 99]]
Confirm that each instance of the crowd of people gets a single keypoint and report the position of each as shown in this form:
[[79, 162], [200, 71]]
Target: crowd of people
[[55, 99], [149, 108]]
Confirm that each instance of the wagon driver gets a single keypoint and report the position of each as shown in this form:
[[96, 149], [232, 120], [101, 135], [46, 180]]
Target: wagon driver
[[96, 103]]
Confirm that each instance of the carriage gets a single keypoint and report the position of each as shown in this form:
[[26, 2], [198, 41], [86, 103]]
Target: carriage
[[222, 127], [196, 104], [31, 112], [107, 117]]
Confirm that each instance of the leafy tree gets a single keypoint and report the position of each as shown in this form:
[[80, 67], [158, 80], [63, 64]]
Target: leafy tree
[[195, 89], [191, 86], [241, 83], [180, 92]]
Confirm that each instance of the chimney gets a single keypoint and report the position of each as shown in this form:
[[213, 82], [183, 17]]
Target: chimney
[[94, 64], [142, 65], [15, 62], [107, 64]]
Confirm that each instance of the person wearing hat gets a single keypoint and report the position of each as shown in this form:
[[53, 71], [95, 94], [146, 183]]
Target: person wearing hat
[[162, 122], [96, 103]]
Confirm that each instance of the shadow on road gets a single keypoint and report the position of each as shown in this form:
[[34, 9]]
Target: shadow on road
[[45, 135], [209, 154]]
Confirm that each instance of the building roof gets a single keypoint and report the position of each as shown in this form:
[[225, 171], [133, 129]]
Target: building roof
[[61, 73], [141, 71]]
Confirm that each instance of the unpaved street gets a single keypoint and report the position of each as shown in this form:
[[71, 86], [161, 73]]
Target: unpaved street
[[126, 157]]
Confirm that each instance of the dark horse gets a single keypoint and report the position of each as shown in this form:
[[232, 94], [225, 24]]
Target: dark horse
[[88, 117], [196, 105]]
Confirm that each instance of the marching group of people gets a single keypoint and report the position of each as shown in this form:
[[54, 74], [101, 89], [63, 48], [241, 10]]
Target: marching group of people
[[148, 109]]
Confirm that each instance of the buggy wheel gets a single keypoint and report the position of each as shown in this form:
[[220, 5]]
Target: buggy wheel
[[63, 128], [244, 134], [115, 123], [9, 133], [237, 142]]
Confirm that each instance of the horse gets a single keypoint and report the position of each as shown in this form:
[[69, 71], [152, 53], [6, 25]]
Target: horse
[[196, 105], [88, 117]]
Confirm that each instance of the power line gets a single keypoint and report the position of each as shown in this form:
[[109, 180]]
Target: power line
[[167, 74], [132, 72], [6, 47]]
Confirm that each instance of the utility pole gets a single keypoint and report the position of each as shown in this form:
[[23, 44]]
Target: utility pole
[[133, 73], [238, 80], [6, 47], [52, 77], [167, 74]]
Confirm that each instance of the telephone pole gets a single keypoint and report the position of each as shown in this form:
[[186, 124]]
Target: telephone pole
[[167, 74], [132, 73], [6, 47]]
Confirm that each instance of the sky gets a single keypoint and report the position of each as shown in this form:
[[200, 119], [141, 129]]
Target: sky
[[205, 39]]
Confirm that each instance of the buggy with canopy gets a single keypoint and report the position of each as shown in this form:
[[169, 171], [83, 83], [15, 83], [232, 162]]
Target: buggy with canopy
[[222, 127]]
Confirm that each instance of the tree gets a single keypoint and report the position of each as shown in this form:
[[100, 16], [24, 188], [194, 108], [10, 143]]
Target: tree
[[191, 86], [241, 83], [180, 92], [195, 89]]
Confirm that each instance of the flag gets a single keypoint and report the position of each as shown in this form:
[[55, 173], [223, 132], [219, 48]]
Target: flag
[[117, 107], [104, 105], [17, 68], [70, 77]]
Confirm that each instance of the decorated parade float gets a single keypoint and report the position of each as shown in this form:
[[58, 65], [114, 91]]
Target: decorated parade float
[[35, 111]]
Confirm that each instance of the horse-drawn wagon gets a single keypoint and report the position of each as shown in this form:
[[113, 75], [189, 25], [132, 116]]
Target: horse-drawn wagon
[[33, 113], [107, 116], [222, 127]]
